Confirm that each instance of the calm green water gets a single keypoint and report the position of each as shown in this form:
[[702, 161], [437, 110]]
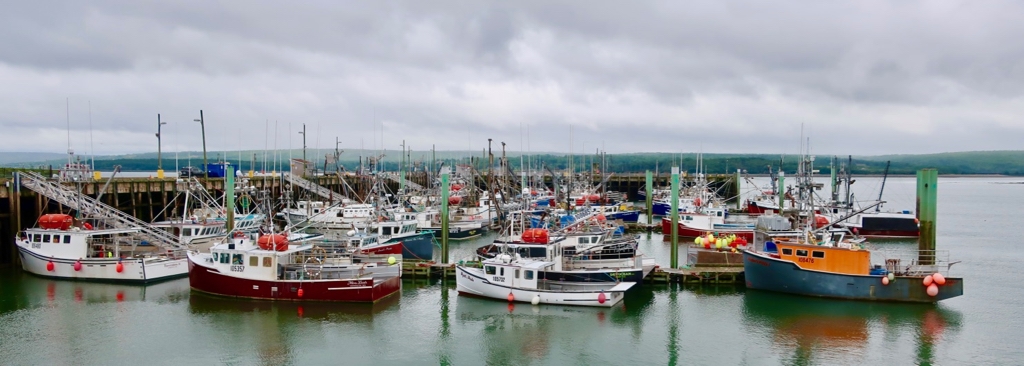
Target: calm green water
[[48, 322]]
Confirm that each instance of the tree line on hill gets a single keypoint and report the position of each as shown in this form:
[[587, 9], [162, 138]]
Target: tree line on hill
[[1005, 162]]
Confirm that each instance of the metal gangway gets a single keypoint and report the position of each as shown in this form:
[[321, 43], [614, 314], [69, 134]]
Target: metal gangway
[[407, 183], [92, 207], [312, 187]]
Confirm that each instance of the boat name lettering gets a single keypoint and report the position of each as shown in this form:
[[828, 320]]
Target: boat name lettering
[[758, 261], [237, 268], [806, 260], [498, 279], [36, 245], [464, 275], [358, 283]]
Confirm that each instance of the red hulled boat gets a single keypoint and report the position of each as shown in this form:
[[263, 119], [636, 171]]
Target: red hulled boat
[[275, 268]]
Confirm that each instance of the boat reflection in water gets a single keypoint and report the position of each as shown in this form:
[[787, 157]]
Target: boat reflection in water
[[275, 330], [206, 304], [807, 326], [524, 332], [31, 291]]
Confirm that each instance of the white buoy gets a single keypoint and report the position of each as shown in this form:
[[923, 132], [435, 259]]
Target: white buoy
[[536, 300], [892, 276]]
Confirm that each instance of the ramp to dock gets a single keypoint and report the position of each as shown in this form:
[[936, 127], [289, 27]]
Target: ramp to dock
[[92, 207], [313, 187]]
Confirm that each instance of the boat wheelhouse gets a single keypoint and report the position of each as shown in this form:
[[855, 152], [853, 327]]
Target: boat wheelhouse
[[518, 279]]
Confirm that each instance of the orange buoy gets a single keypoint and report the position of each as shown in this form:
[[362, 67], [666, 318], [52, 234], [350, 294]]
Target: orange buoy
[[885, 281], [300, 293], [119, 268], [49, 266], [933, 290], [511, 297], [927, 280], [939, 279]]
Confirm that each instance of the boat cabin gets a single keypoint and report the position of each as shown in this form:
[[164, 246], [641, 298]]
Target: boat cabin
[[518, 274], [78, 243], [823, 251]]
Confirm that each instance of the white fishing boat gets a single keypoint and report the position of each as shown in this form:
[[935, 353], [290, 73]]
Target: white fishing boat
[[63, 248], [514, 278]]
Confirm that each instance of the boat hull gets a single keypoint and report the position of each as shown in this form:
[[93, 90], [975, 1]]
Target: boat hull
[[104, 269], [456, 233], [692, 232], [416, 247], [625, 216], [763, 272], [210, 280], [471, 284]]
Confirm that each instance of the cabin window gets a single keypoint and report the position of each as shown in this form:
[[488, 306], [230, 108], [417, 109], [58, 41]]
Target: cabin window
[[801, 252], [186, 232], [818, 254], [386, 230], [56, 239], [237, 259], [787, 251], [46, 238], [254, 261], [501, 272], [67, 239], [266, 261], [489, 270], [584, 240], [36, 238], [528, 275], [517, 273], [224, 258]]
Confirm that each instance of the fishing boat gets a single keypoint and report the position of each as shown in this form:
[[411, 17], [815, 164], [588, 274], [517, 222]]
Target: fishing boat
[[62, 247], [285, 267], [708, 220], [513, 278], [825, 264]]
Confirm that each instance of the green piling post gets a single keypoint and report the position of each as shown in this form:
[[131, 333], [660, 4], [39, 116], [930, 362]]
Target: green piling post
[[229, 196], [739, 190], [782, 191], [445, 188], [650, 207], [927, 187], [675, 218]]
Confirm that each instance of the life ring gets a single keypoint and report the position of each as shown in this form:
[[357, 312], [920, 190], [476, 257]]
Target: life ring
[[313, 272], [239, 235]]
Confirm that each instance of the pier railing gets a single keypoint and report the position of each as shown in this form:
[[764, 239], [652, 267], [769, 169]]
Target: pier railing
[[904, 262], [89, 206]]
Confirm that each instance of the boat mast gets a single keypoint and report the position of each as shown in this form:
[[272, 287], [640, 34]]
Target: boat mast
[[880, 190]]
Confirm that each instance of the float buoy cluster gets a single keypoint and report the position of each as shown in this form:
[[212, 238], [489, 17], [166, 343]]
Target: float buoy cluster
[[720, 242], [933, 281]]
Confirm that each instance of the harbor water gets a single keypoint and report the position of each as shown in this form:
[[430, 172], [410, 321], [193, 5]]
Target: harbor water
[[47, 322]]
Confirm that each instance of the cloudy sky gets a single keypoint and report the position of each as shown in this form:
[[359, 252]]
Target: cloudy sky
[[862, 77]]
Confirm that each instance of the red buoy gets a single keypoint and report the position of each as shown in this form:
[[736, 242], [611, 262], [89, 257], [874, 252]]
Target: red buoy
[[119, 267], [301, 292], [511, 297], [601, 298], [49, 266], [78, 265], [120, 296], [454, 200]]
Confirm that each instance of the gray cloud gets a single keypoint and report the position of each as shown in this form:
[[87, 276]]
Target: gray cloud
[[863, 78]]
